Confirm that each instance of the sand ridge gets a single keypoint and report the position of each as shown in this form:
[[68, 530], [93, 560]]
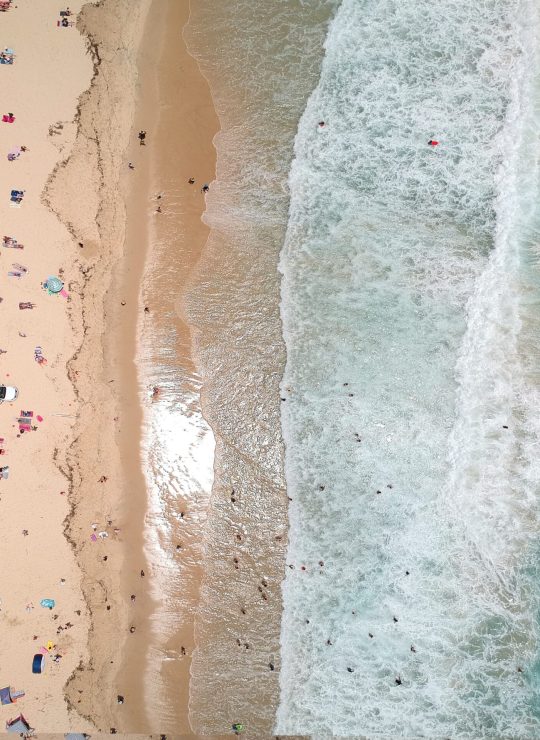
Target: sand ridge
[[85, 194]]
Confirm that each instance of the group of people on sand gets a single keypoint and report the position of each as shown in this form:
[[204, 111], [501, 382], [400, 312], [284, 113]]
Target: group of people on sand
[[142, 142]]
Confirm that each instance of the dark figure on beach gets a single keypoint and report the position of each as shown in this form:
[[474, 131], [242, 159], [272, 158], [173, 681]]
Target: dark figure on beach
[[191, 180], [205, 188], [65, 22], [131, 166], [142, 573], [142, 137], [119, 699], [133, 597]]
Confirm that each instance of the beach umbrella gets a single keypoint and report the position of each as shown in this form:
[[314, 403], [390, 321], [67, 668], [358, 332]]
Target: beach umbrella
[[53, 284]]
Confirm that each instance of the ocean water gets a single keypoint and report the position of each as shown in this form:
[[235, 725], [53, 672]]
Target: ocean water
[[411, 315], [262, 61]]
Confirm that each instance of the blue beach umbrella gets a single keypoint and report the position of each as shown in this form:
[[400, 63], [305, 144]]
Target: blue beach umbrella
[[53, 284]]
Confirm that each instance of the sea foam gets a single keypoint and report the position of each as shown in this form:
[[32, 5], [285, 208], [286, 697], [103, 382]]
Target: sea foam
[[410, 307]]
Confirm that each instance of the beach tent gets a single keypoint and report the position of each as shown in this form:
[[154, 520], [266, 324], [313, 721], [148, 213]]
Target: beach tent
[[38, 663], [18, 725]]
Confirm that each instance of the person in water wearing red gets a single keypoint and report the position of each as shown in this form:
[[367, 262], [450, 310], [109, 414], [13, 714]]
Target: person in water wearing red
[[432, 142]]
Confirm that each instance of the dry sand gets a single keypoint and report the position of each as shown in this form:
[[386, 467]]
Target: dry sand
[[42, 91]]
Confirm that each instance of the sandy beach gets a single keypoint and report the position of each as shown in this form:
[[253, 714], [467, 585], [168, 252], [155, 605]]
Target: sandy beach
[[130, 641], [79, 517], [39, 562]]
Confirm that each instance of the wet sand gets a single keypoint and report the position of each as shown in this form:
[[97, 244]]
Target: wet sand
[[175, 109]]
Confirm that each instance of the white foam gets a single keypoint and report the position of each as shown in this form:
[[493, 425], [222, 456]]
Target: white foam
[[404, 272]]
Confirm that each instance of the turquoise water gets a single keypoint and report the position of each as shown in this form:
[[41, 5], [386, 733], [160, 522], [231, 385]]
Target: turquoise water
[[410, 306]]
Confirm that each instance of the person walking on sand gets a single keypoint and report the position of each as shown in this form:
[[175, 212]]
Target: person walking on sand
[[142, 137], [131, 166]]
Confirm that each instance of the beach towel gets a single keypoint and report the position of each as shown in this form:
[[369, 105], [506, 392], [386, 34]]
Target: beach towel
[[10, 242], [8, 119]]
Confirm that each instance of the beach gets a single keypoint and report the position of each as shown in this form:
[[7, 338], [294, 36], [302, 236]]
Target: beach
[[270, 308], [75, 518], [130, 645], [39, 561]]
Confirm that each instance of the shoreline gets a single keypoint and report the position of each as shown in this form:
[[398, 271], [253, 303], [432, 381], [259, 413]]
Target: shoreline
[[118, 231]]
